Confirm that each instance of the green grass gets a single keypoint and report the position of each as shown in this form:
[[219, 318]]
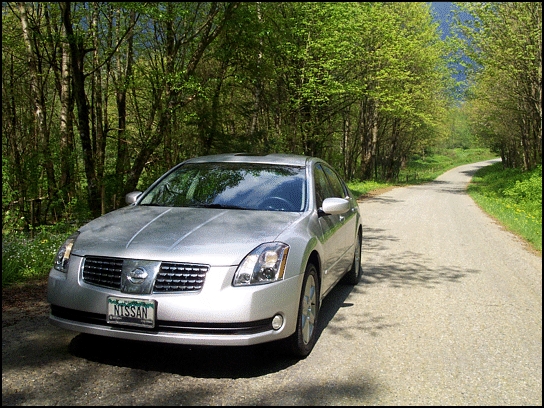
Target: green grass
[[512, 197], [25, 258], [360, 188]]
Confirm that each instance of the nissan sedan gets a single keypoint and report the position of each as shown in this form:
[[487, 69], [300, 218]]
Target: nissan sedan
[[222, 250]]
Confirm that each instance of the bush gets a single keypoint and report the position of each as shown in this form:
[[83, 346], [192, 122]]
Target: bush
[[25, 258], [529, 189]]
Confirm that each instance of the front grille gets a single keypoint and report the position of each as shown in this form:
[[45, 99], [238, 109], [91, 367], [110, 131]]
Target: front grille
[[102, 271], [172, 276], [178, 277]]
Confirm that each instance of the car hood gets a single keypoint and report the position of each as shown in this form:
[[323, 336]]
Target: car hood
[[215, 237]]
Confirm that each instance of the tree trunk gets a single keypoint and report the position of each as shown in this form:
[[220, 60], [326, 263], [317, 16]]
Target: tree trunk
[[122, 164], [99, 145], [67, 186], [77, 57], [368, 125]]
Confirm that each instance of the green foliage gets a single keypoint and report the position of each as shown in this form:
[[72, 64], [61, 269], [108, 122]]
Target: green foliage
[[513, 197], [456, 129], [528, 189], [503, 41], [365, 85], [25, 258]]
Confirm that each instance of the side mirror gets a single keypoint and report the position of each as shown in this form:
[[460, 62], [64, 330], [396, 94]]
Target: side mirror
[[335, 205], [131, 198]]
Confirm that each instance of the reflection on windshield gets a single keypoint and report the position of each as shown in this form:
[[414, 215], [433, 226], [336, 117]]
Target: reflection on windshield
[[232, 185]]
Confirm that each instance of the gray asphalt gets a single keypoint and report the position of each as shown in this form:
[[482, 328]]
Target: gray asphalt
[[449, 312]]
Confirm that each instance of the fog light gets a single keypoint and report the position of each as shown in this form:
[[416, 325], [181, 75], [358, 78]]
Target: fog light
[[277, 322]]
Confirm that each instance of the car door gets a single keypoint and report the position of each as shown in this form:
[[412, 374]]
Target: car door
[[332, 229], [348, 221]]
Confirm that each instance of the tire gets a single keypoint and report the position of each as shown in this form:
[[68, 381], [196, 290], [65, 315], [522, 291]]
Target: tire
[[353, 276], [303, 340]]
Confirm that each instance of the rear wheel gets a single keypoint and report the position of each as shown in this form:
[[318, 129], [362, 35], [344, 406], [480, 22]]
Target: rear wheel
[[353, 276], [303, 340]]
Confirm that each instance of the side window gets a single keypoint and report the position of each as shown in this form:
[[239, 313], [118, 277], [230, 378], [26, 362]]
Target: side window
[[322, 188], [337, 186]]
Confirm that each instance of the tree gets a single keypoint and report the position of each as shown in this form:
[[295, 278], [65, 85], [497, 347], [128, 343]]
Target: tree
[[131, 89], [184, 31], [504, 43], [29, 141]]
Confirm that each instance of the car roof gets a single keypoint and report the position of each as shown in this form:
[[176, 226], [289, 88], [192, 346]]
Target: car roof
[[275, 158]]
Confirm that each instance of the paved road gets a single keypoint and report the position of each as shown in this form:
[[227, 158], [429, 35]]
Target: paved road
[[449, 312]]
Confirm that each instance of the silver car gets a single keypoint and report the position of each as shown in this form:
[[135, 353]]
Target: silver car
[[222, 250]]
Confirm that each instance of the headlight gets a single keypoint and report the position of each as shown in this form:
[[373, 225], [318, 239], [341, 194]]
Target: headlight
[[264, 264], [63, 255]]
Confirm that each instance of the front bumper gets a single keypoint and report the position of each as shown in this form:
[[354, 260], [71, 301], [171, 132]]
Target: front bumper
[[219, 314]]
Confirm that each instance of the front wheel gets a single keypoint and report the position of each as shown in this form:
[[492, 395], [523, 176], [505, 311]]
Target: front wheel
[[303, 340]]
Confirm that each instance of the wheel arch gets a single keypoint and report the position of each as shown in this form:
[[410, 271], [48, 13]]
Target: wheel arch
[[315, 259]]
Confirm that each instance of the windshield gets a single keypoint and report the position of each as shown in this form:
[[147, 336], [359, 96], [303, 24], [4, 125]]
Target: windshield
[[264, 187]]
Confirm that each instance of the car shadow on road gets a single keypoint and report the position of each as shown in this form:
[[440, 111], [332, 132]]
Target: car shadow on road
[[201, 361], [194, 361], [204, 362]]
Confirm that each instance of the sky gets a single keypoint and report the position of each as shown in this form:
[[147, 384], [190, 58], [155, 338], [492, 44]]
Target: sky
[[442, 11], [443, 14]]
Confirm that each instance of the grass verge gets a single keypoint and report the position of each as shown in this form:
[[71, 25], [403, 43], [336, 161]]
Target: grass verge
[[25, 258], [513, 198]]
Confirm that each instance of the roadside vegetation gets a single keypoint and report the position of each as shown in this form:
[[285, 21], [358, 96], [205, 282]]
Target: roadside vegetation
[[27, 256], [512, 197]]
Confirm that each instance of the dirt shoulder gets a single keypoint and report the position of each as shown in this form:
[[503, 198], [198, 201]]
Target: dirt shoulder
[[375, 193], [23, 300]]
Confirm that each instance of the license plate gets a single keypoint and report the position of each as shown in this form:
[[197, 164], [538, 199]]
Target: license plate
[[131, 312]]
